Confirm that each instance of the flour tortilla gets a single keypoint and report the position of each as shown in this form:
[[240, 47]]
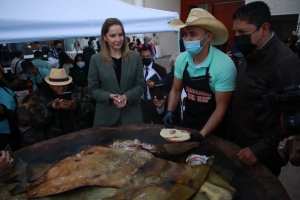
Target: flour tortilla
[[166, 133], [185, 137], [178, 136]]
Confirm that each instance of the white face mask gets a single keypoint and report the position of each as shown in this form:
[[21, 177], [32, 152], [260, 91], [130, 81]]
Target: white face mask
[[81, 64], [29, 46]]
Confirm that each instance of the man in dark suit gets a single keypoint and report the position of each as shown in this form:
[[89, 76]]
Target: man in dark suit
[[152, 74], [88, 52]]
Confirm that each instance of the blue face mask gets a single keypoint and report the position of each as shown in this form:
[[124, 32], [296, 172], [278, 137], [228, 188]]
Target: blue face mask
[[149, 43], [194, 47]]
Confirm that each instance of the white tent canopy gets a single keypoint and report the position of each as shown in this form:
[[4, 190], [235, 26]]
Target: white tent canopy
[[34, 20]]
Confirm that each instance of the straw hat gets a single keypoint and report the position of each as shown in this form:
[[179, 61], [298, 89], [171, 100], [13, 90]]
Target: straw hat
[[201, 18], [58, 77]]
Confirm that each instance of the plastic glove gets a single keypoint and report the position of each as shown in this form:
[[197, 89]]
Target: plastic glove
[[197, 137], [26, 99], [168, 119]]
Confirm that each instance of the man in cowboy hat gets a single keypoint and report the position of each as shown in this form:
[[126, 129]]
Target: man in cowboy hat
[[206, 74], [268, 64], [54, 113]]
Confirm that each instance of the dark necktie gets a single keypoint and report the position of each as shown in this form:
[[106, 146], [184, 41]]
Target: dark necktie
[[145, 92]]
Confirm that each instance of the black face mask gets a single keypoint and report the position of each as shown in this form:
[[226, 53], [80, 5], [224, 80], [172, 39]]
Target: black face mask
[[244, 45], [58, 50], [147, 61]]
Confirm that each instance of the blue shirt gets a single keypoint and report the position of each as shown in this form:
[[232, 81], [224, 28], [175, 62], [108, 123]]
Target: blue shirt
[[38, 63], [39, 78], [8, 100], [222, 70]]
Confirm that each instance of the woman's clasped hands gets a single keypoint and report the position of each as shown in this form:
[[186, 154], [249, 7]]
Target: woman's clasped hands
[[119, 100]]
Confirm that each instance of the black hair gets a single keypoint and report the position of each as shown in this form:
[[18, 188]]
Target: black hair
[[56, 42], [14, 54], [145, 49], [17, 53], [130, 44], [38, 54], [10, 77], [138, 41], [90, 42], [75, 66], [256, 13], [64, 59], [138, 48], [26, 64]]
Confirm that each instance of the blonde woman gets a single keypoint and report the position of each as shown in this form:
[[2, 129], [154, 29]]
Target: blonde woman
[[115, 78]]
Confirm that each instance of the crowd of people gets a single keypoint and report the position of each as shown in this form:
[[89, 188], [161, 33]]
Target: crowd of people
[[118, 85]]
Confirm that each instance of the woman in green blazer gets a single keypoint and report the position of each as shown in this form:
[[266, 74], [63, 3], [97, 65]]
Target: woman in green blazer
[[116, 79]]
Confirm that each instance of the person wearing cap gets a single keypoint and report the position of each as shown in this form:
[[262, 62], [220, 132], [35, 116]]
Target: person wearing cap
[[37, 76], [27, 49], [38, 61], [205, 73], [268, 64], [55, 114]]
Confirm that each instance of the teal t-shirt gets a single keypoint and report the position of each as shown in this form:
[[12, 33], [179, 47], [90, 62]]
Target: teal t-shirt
[[41, 64], [39, 78], [221, 69], [6, 99]]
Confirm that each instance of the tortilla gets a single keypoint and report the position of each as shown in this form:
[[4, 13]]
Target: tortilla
[[170, 133], [185, 137], [174, 135]]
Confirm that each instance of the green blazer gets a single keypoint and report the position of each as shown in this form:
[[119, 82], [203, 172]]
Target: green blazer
[[102, 82]]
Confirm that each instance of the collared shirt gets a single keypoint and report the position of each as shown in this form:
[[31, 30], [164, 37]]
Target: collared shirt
[[222, 70], [267, 41], [38, 63], [148, 91], [19, 69]]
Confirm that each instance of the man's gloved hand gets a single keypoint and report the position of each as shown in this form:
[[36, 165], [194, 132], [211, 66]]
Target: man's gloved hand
[[26, 99], [197, 137], [168, 119]]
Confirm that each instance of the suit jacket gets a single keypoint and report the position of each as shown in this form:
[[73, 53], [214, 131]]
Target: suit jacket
[[102, 82], [162, 72]]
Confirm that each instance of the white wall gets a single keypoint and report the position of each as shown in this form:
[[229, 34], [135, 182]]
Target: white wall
[[281, 6], [168, 40]]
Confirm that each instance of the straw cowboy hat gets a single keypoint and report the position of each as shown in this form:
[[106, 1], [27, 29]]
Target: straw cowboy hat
[[201, 18], [58, 77]]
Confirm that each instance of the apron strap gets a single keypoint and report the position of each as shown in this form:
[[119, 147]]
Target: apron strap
[[16, 68]]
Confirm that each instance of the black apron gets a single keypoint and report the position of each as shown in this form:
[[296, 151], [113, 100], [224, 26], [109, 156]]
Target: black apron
[[200, 103]]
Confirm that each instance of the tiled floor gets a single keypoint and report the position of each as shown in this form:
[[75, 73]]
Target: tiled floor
[[290, 175]]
